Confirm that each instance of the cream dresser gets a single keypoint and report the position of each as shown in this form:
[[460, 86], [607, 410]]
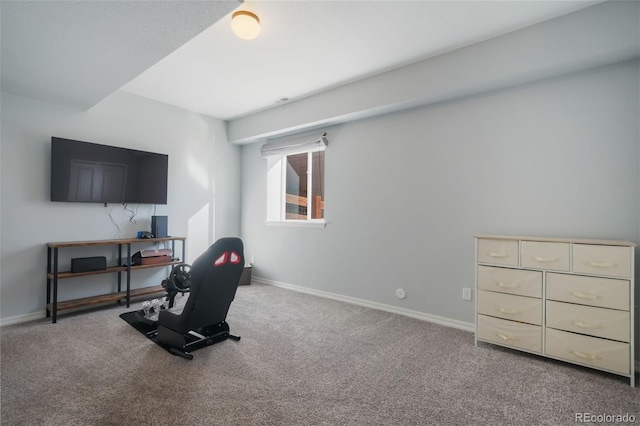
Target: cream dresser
[[567, 299]]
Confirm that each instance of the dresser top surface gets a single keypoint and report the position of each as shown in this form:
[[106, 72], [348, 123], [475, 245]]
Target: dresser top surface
[[559, 240]]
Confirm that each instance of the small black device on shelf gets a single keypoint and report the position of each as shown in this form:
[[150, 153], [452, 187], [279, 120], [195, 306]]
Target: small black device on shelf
[[88, 264], [159, 226]]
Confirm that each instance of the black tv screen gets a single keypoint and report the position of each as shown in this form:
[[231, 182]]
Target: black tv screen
[[94, 173]]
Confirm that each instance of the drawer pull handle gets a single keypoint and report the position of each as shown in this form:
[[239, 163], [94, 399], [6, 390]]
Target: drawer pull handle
[[508, 311], [507, 338], [498, 255], [585, 295], [583, 355], [505, 285], [597, 264], [586, 324], [545, 259]]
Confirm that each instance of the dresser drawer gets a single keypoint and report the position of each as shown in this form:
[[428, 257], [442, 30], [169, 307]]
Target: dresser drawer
[[509, 333], [602, 260], [498, 252], [592, 351], [592, 291], [598, 322], [548, 256], [511, 281], [517, 308]]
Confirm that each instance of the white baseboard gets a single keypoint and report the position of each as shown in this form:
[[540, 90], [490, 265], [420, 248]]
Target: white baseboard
[[17, 319], [461, 325]]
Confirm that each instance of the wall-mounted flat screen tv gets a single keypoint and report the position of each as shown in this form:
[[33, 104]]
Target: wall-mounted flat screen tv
[[94, 173]]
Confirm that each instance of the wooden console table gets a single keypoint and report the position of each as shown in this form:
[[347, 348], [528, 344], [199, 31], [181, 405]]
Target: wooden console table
[[123, 265]]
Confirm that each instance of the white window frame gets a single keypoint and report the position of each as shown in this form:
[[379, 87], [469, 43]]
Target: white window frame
[[276, 191]]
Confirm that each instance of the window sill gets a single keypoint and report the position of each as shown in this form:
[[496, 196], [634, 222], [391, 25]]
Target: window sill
[[297, 223]]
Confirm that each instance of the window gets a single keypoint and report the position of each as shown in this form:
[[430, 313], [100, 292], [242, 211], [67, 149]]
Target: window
[[295, 182], [304, 197]]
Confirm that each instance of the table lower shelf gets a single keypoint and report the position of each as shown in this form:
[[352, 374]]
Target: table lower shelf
[[105, 298], [110, 269]]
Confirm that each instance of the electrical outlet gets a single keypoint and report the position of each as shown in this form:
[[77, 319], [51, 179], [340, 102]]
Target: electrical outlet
[[253, 260], [466, 293]]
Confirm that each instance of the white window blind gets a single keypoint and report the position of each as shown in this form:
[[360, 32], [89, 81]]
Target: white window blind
[[294, 145]]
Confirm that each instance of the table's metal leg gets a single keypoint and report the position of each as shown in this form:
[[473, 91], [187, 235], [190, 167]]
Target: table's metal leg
[[119, 264], [54, 302], [128, 273], [46, 306]]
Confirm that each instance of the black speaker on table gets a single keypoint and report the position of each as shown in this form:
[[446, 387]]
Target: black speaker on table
[[159, 226], [88, 264]]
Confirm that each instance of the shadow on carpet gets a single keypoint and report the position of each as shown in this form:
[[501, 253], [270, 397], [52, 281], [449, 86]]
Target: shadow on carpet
[[144, 328]]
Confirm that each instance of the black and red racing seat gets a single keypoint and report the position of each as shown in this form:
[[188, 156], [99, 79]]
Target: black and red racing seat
[[213, 284]]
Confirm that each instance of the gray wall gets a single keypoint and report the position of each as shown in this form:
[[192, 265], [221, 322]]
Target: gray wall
[[406, 192], [203, 198]]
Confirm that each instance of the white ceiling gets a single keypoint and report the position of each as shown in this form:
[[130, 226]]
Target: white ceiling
[[305, 46], [76, 53]]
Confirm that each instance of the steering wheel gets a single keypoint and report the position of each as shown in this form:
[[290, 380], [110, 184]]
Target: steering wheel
[[180, 277]]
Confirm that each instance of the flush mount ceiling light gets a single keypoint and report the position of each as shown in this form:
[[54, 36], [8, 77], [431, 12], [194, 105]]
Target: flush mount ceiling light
[[245, 24]]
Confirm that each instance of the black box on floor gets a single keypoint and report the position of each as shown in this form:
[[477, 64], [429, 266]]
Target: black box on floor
[[245, 278], [88, 264]]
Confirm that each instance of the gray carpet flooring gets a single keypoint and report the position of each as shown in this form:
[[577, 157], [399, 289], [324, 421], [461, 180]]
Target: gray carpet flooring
[[302, 360]]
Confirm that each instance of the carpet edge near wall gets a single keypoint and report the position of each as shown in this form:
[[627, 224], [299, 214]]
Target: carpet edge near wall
[[448, 322]]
